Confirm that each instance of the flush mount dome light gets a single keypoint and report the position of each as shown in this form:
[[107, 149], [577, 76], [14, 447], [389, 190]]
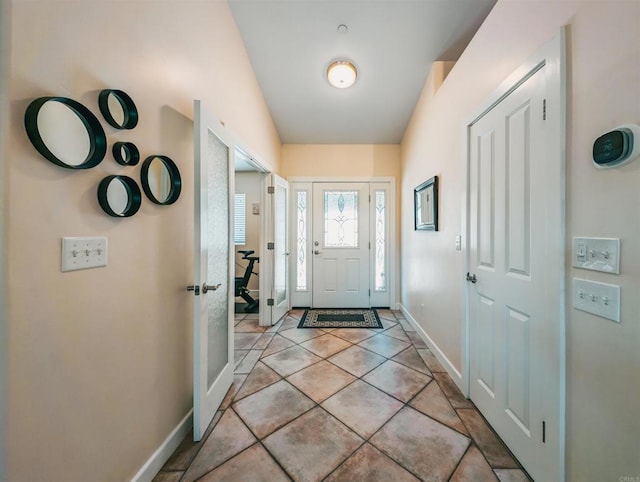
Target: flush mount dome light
[[342, 74]]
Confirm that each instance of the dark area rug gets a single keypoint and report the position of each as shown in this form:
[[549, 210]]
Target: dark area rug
[[340, 318]]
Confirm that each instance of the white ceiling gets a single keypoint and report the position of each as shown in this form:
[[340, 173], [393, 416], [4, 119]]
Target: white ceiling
[[392, 42]]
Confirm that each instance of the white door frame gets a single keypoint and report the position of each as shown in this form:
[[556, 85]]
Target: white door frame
[[392, 234], [552, 56]]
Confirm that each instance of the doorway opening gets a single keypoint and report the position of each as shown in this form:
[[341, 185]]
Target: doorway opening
[[247, 232]]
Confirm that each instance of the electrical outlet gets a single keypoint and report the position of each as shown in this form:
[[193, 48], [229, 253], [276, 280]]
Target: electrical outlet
[[83, 253], [600, 299]]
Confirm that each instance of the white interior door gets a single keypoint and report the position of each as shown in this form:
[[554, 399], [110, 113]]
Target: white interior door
[[514, 311], [280, 293], [213, 284], [341, 245]]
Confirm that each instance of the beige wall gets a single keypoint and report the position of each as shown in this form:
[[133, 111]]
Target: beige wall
[[250, 183], [5, 34], [347, 160], [603, 358], [100, 360]]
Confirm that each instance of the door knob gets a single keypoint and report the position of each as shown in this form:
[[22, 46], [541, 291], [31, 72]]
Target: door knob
[[206, 287], [316, 252], [472, 278]]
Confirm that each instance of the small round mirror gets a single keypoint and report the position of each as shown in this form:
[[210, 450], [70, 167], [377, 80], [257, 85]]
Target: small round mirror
[[125, 153], [118, 109], [161, 180], [119, 196], [65, 132]]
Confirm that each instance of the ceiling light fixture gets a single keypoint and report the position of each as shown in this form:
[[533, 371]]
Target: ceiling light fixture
[[342, 74]]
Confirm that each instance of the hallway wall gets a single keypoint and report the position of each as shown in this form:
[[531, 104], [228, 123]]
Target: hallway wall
[[100, 359], [5, 35], [603, 62], [340, 160]]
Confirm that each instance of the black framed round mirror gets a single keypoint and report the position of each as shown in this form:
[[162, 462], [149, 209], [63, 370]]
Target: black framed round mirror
[[161, 180], [118, 109], [125, 153], [119, 196], [65, 132]]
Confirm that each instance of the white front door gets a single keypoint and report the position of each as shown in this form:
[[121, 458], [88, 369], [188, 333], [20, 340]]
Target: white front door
[[280, 292], [340, 245], [515, 262], [213, 286]]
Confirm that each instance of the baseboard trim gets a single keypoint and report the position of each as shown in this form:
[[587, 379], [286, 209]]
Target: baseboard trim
[[455, 375], [151, 468]]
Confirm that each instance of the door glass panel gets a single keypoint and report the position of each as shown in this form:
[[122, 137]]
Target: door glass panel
[[218, 257], [280, 278], [380, 280], [301, 240], [341, 219]]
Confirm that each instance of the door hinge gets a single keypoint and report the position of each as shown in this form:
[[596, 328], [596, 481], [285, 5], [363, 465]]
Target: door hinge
[[369, 292], [544, 109], [271, 189], [270, 302], [271, 246], [544, 432], [369, 244]]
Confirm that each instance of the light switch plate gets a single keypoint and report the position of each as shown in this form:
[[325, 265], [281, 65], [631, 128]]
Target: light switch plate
[[597, 254], [600, 299], [458, 243], [83, 253]]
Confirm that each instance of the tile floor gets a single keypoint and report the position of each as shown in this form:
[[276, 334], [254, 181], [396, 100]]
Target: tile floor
[[341, 405]]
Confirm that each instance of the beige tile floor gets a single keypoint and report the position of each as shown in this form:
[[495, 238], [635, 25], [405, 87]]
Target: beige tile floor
[[341, 405]]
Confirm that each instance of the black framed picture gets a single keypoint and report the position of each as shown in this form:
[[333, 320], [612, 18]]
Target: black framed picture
[[425, 199]]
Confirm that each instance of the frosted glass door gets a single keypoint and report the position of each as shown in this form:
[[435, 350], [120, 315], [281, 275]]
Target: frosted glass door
[[213, 325], [281, 248]]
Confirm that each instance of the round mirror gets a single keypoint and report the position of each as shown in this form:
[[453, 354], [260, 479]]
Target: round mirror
[[161, 180], [118, 109], [119, 196], [125, 153], [65, 132], [115, 108]]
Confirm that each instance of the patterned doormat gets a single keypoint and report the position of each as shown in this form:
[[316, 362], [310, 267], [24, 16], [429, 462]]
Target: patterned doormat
[[339, 318]]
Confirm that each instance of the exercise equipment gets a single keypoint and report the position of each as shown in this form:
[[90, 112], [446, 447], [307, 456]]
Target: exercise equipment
[[242, 282]]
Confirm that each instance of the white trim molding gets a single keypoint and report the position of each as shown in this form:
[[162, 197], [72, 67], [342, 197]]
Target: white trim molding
[[453, 372], [152, 466]]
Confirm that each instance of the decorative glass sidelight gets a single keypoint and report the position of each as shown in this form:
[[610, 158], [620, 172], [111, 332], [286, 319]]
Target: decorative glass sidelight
[[380, 278], [341, 219], [301, 245]]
